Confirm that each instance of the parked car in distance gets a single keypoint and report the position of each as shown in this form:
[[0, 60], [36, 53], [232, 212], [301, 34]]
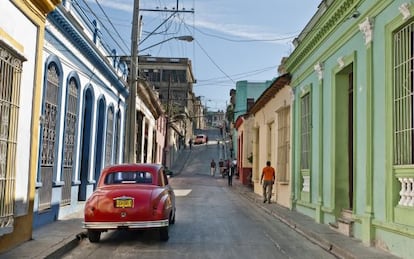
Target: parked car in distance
[[200, 139], [130, 196]]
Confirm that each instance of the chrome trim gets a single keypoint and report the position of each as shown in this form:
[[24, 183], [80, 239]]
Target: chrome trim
[[128, 224]]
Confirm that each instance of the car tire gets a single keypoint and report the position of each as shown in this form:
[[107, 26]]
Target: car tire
[[94, 236], [164, 236]]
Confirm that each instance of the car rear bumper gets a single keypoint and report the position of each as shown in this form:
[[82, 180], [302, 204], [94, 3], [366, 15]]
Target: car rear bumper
[[132, 224]]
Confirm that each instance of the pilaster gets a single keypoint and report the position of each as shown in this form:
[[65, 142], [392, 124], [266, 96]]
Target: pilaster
[[366, 28]]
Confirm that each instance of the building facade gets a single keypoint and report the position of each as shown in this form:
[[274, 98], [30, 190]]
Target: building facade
[[241, 100], [269, 120], [173, 79], [20, 88], [352, 160], [83, 108]]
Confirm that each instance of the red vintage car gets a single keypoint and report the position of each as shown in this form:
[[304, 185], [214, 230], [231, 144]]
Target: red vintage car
[[130, 196]]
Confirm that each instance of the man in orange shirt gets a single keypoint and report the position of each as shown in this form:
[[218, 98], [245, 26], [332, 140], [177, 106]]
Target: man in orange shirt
[[268, 175]]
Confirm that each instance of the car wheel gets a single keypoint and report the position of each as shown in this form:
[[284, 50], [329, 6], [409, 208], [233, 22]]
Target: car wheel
[[94, 236], [164, 234]]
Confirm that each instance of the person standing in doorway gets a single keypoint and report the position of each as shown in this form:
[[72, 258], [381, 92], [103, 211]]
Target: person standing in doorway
[[267, 179], [212, 167]]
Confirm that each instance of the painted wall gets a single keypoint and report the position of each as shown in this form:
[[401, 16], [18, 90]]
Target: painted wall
[[26, 40], [266, 122], [245, 90], [351, 50], [100, 90]]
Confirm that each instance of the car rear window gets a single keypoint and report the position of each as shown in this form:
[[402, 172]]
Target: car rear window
[[200, 136], [128, 178]]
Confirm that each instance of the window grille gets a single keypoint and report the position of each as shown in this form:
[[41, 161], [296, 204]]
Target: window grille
[[403, 110], [117, 135], [49, 137], [69, 148], [10, 81], [305, 131], [283, 144], [109, 137]]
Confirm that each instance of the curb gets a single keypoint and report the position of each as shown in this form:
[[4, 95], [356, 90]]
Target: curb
[[314, 238]]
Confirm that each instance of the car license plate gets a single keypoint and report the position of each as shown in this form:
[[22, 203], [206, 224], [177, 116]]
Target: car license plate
[[124, 203]]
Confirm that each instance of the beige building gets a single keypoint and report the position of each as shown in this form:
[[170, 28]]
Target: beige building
[[266, 136]]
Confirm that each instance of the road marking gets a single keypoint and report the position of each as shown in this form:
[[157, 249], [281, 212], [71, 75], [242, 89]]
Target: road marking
[[182, 192]]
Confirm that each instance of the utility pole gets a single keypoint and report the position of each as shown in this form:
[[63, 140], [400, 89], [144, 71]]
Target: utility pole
[[130, 134], [167, 127]]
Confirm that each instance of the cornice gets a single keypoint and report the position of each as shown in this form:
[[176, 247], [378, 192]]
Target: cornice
[[45, 6], [335, 14], [147, 96], [37, 10]]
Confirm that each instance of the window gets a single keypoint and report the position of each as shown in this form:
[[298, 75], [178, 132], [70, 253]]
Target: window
[[283, 144], [10, 76], [152, 75], [249, 103], [176, 76], [69, 139], [129, 178], [117, 135], [305, 131], [403, 111], [109, 137], [49, 135]]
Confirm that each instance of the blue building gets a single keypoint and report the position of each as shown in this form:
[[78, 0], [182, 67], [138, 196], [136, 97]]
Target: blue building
[[246, 94]]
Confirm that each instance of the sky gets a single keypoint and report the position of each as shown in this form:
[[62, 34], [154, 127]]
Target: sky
[[234, 40]]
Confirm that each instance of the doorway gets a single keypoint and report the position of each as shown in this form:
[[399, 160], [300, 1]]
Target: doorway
[[85, 145], [344, 139]]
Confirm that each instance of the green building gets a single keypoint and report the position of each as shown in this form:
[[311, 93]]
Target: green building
[[353, 121]]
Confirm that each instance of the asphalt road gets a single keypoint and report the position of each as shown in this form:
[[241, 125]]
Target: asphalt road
[[212, 221]]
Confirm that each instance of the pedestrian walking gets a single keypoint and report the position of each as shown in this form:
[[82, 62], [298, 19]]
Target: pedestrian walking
[[221, 166], [267, 179], [212, 168], [190, 142], [230, 175]]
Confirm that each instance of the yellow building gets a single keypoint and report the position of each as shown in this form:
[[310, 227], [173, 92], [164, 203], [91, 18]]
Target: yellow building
[[266, 135], [22, 25]]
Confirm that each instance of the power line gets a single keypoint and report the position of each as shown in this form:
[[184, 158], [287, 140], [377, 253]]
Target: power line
[[103, 25], [110, 22], [246, 40], [212, 61]]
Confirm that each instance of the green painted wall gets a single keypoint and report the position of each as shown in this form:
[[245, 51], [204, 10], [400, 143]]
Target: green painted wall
[[336, 42]]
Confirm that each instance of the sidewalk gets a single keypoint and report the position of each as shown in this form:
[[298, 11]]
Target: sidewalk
[[320, 234], [52, 240], [55, 239]]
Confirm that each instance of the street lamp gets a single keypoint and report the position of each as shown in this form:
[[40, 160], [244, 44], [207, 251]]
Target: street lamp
[[187, 38]]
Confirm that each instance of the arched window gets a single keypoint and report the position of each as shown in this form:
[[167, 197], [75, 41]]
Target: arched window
[[117, 136], [49, 134], [109, 136], [69, 138]]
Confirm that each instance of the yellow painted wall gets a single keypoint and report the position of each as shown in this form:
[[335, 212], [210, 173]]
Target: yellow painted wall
[[265, 120], [35, 11]]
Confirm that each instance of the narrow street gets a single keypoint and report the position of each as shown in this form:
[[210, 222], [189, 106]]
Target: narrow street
[[213, 221]]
